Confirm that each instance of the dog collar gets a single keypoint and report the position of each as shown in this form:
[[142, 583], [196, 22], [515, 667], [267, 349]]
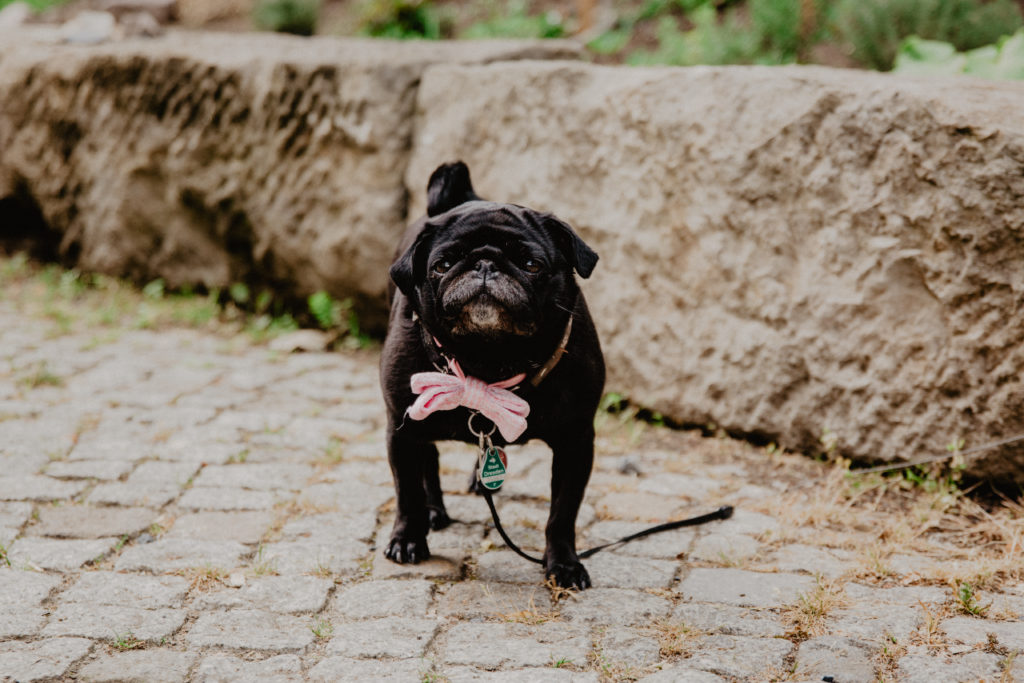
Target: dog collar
[[537, 377]]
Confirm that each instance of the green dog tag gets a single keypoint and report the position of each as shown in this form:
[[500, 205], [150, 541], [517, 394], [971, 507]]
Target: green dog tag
[[494, 468]]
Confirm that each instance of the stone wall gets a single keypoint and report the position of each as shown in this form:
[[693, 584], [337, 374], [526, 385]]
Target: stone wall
[[785, 251]]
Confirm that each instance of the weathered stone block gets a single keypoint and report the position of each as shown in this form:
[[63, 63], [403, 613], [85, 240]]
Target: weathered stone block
[[247, 629], [142, 666], [81, 521], [224, 158], [743, 588], [387, 637], [110, 622], [798, 248], [383, 598], [133, 590], [221, 668], [292, 594], [520, 645], [43, 659]]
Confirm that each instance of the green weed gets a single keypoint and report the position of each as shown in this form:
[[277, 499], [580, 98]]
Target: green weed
[[321, 628], [967, 600], [875, 28], [126, 641], [298, 17]]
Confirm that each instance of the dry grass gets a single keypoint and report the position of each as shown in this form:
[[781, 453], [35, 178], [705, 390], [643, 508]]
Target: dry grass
[[967, 541], [807, 617], [675, 639], [203, 578]]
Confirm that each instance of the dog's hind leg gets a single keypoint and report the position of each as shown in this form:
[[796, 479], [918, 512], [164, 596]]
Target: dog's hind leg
[[439, 518]]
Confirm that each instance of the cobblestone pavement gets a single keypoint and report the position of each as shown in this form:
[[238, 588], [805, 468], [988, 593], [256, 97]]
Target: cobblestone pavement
[[182, 505]]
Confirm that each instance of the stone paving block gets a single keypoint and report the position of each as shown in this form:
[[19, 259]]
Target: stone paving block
[[664, 546], [7, 535], [465, 674], [20, 588], [14, 514], [243, 527], [85, 521], [728, 620], [901, 595], [128, 493], [139, 666], [106, 470], [346, 670], [387, 637], [41, 659], [470, 599], [135, 590], [507, 567], [724, 549], [262, 477], [687, 486], [615, 607], [682, 674], [332, 527], [796, 557], [970, 667], [371, 599], [515, 645], [743, 588], [444, 564], [200, 445], [312, 557], [170, 474], [112, 621], [874, 623], [629, 647], [222, 668], [356, 496], [59, 554], [215, 498], [248, 629], [39, 488], [642, 507], [836, 656], [172, 554], [611, 570], [741, 657], [20, 622], [746, 522], [26, 464], [128, 449], [289, 594], [974, 631]]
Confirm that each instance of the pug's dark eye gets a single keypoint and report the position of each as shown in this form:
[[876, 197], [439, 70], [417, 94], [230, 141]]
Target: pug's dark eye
[[442, 267], [531, 266]]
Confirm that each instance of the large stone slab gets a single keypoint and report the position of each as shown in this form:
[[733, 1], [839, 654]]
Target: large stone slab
[[797, 248], [213, 159]]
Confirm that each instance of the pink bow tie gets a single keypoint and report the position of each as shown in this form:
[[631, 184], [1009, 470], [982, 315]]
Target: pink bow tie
[[439, 391]]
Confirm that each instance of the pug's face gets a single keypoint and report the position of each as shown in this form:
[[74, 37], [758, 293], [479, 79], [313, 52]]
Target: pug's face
[[491, 271]]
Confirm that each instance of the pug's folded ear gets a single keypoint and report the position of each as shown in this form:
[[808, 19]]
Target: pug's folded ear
[[448, 187], [580, 256], [410, 268]]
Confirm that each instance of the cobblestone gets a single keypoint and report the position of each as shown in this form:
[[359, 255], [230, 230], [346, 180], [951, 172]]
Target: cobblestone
[[248, 629], [387, 637], [192, 487], [83, 521], [61, 555], [142, 666], [43, 659], [110, 622]]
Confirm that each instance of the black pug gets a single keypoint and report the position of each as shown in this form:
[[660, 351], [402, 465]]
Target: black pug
[[486, 291]]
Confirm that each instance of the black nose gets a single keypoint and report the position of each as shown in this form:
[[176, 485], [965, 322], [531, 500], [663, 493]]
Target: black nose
[[485, 267]]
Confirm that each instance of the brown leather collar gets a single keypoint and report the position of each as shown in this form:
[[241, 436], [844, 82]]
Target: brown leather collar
[[538, 376]]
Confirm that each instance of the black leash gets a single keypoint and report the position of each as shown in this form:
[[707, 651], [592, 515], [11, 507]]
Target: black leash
[[724, 512]]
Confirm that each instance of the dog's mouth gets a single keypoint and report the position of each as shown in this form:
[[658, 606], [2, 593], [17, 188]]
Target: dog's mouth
[[489, 307]]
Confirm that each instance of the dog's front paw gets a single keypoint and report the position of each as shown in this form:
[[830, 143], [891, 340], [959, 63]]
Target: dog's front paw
[[570, 574], [407, 550]]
